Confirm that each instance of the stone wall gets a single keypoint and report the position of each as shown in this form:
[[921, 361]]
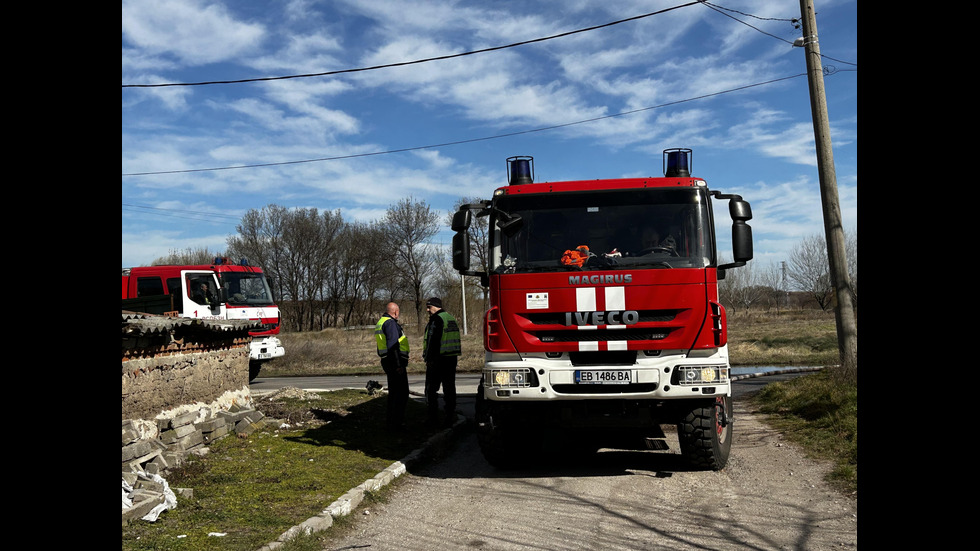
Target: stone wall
[[184, 385], [168, 362]]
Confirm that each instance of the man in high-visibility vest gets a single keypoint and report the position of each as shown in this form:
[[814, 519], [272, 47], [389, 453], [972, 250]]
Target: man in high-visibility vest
[[393, 349], [441, 348]]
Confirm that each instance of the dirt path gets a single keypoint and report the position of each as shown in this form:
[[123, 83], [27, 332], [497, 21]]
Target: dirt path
[[768, 497]]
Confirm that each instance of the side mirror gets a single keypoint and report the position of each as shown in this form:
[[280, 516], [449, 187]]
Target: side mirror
[[741, 232], [461, 249], [461, 220], [741, 241], [740, 212]]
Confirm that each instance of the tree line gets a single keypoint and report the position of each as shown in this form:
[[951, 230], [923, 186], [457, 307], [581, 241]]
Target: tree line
[[329, 272], [800, 281]]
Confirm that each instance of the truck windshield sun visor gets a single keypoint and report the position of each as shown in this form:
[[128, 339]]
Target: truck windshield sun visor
[[510, 224]]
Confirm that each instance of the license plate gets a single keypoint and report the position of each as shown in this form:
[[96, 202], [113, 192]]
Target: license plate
[[603, 377], [265, 355]]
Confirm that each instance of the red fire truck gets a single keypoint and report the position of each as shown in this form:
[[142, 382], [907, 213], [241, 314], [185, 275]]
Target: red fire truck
[[604, 321], [221, 290]]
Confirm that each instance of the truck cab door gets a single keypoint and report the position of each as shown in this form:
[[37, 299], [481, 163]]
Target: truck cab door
[[201, 295]]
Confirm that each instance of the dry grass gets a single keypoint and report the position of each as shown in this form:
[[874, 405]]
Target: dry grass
[[346, 352], [755, 339], [795, 337], [819, 412]]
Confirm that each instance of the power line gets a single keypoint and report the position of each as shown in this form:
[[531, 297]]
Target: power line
[[485, 138], [195, 215], [722, 11], [795, 21], [471, 140], [403, 63]]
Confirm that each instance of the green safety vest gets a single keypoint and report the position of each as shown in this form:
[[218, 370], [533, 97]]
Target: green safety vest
[[449, 345], [379, 336]]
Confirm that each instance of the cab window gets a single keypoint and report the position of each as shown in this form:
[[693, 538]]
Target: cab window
[[149, 286]]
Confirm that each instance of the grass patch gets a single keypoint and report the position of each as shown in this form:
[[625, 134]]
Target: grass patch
[[786, 338], [818, 412], [253, 489]]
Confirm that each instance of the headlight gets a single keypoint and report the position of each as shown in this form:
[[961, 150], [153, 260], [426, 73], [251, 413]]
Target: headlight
[[699, 375], [508, 378]]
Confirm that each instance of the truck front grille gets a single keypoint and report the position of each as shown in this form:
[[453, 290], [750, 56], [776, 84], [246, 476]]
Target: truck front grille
[[645, 316], [604, 389]]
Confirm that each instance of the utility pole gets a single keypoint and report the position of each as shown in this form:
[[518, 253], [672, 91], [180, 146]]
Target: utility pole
[[845, 314], [462, 290], [785, 286]]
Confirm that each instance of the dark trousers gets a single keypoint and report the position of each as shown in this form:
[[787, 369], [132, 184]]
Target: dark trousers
[[441, 372], [397, 394]]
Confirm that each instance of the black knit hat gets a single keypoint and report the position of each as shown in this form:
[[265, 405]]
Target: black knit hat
[[434, 301]]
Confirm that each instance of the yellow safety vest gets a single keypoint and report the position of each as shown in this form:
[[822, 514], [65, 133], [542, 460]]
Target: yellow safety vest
[[449, 344], [379, 336]]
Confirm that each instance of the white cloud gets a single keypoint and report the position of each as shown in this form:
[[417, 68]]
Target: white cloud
[[194, 31]]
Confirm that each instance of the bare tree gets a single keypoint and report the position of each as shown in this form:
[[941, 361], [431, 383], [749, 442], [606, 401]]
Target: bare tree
[[851, 250], [200, 255], [770, 279], [259, 239], [310, 238], [446, 284], [741, 288], [809, 269], [409, 225], [360, 273], [479, 253], [293, 247]]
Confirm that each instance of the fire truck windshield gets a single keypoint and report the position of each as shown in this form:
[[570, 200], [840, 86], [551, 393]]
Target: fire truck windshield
[[247, 289], [623, 229]]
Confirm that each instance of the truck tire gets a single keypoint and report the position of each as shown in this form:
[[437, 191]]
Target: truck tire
[[705, 433], [253, 369], [496, 444]]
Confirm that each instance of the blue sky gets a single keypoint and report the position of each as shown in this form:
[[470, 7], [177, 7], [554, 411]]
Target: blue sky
[[719, 78]]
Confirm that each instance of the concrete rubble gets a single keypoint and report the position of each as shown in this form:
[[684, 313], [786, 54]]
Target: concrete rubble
[[151, 448]]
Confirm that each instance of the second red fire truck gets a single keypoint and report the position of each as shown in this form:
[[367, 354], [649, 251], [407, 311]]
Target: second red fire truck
[[222, 290]]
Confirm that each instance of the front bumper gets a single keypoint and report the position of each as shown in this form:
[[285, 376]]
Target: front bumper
[[668, 377], [266, 348]]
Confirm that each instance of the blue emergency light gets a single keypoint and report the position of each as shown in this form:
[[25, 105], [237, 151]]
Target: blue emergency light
[[520, 170], [678, 162]]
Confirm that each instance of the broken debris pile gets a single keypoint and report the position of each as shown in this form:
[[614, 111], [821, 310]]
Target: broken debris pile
[[150, 448]]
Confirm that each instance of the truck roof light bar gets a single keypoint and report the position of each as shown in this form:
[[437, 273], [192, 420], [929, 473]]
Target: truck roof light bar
[[678, 162], [218, 260], [520, 170]]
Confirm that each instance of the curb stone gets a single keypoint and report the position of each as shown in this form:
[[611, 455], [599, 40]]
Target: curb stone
[[347, 503]]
